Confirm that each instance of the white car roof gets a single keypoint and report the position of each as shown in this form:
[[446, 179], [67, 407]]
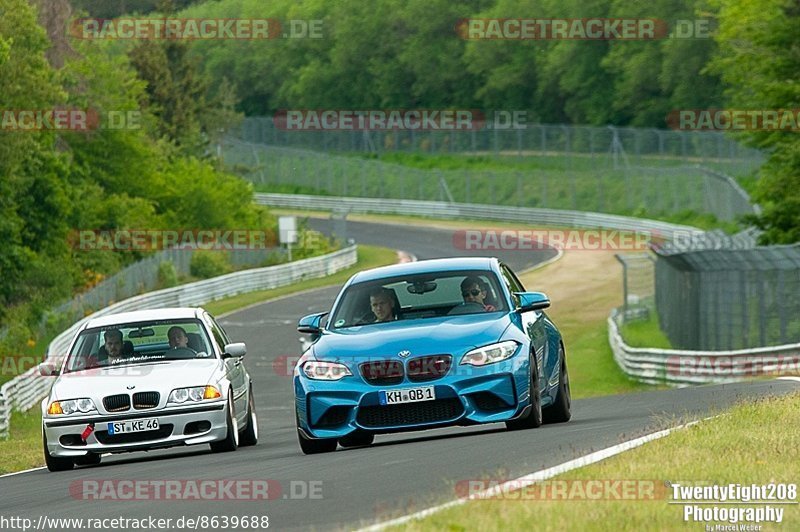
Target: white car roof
[[145, 315]]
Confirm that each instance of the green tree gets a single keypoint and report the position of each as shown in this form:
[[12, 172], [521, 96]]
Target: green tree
[[32, 194], [758, 60]]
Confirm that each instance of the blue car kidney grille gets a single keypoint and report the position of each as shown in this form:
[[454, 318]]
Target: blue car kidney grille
[[382, 372], [428, 368]]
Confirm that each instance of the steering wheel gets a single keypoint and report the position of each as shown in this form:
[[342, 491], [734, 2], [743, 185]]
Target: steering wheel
[[467, 307], [182, 352]]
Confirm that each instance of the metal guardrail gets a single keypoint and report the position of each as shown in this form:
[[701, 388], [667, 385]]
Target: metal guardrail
[[26, 390], [679, 367], [438, 209]]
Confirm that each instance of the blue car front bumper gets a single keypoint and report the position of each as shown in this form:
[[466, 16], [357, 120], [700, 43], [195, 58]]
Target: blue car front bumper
[[466, 395]]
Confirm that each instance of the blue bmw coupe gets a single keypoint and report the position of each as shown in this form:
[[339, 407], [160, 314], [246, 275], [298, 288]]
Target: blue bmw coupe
[[429, 344]]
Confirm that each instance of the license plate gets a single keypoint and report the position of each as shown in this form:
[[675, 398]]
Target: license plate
[[407, 395], [138, 425]]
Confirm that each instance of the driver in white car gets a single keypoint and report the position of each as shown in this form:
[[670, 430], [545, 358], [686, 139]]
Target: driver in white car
[[177, 337]]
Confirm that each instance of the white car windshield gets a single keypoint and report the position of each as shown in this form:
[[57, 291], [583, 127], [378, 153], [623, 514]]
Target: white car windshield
[[418, 296], [136, 343]]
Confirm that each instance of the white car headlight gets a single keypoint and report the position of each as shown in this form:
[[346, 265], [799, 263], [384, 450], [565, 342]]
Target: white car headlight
[[83, 405], [325, 371], [195, 394], [489, 354]]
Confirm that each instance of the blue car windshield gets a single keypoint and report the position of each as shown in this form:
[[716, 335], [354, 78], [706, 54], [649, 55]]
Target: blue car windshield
[[420, 296]]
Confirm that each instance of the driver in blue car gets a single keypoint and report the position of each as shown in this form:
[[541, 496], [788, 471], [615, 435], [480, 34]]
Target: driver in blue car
[[381, 302], [473, 290]]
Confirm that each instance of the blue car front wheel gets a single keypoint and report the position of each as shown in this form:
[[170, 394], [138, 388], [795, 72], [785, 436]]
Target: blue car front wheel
[[561, 409], [534, 417], [314, 445]]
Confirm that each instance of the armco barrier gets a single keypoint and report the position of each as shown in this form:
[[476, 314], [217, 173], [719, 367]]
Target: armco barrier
[[438, 209], [678, 367], [26, 390]]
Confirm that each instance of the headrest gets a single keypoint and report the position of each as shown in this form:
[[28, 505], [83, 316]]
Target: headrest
[[195, 342]]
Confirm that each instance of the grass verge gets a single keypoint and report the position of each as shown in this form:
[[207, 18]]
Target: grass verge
[[763, 453], [645, 333], [23, 448], [584, 286]]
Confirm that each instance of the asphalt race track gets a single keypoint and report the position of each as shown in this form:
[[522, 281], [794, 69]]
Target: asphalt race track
[[399, 474]]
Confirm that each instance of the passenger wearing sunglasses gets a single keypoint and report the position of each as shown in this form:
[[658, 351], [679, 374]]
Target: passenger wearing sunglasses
[[473, 290]]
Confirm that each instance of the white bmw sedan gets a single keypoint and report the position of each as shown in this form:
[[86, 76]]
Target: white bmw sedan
[[144, 380]]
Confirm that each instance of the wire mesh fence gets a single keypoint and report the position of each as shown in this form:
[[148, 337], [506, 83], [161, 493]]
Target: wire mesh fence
[[597, 185], [578, 145], [638, 285], [729, 299]]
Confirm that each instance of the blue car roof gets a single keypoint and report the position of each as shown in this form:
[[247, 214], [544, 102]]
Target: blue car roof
[[426, 266]]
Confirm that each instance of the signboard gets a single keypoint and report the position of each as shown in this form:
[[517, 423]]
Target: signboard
[[287, 229]]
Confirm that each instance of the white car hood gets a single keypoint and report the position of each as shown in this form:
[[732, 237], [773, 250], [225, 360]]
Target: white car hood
[[163, 377]]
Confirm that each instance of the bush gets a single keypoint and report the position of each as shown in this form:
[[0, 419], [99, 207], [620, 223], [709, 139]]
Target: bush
[[312, 244], [206, 264], [274, 257], [167, 276]]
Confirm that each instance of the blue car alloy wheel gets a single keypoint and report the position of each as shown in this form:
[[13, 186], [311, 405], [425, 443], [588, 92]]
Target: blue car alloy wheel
[[429, 344]]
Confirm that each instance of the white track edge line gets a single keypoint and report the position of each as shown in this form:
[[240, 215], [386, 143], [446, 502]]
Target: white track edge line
[[532, 478], [21, 472]]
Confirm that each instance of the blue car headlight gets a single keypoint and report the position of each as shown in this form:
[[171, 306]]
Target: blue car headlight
[[489, 354], [325, 371]]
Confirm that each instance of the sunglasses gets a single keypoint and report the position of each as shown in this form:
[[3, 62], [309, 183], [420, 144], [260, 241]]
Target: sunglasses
[[474, 293]]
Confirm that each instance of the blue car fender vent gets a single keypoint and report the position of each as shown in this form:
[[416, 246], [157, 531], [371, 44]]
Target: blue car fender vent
[[382, 372], [421, 413], [335, 415], [489, 402], [428, 368]]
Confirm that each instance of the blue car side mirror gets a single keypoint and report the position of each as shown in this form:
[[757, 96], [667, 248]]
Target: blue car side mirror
[[532, 301], [311, 324]]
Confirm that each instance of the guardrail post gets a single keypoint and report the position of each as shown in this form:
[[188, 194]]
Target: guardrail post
[[624, 285]]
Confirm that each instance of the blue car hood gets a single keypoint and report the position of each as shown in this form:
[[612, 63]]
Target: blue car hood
[[429, 336]]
